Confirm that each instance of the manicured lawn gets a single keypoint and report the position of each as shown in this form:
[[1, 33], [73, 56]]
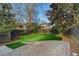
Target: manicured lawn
[[33, 37], [39, 37], [15, 45]]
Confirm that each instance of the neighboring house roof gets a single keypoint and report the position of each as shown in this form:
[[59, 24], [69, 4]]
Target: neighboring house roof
[[48, 24]]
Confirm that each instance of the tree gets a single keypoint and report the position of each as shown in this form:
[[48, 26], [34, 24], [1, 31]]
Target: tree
[[62, 15], [7, 18], [76, 12], [31, 14]]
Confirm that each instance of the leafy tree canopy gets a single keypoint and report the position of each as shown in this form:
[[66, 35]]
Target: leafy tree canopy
[[7, 18], [63, 15]]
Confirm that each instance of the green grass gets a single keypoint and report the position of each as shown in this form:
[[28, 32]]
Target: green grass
[[15, 45], [39, 37], [33, 37]]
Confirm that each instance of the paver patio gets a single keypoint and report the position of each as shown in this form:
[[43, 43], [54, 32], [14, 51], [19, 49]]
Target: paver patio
[[42, 48], [4, 50]]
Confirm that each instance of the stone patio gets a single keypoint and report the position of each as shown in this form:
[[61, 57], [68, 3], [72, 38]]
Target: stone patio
[[42, 48], [4, 50]]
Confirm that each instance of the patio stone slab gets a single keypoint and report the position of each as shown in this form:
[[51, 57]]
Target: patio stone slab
[[4, 50]]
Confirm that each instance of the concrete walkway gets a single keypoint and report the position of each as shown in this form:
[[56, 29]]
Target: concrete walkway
[[4, 50], [42, 48]]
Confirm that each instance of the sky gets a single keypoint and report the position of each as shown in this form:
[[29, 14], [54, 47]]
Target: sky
[[42, 8]]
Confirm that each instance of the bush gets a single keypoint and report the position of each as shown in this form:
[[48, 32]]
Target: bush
[[4, 29], [35, 30], [54, 31], [67, 32]]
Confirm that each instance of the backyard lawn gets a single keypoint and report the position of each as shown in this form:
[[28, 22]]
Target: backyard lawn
[[32, 37], [38, 37]]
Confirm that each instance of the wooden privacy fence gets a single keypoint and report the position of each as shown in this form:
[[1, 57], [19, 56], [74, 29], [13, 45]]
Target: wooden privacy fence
[[4, 37]]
